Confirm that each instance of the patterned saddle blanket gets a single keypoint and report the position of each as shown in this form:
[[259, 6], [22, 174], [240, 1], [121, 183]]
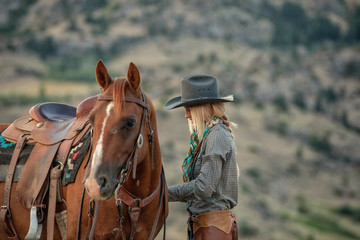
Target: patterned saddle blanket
[[72, 164]]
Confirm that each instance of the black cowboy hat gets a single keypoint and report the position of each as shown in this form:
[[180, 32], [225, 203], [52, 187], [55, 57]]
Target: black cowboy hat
[[198, 89]]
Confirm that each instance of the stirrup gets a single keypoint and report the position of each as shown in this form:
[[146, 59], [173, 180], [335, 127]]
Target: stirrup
[[35, 229]]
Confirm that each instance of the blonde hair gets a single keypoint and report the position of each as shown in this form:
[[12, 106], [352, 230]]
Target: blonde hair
[[203, 115]]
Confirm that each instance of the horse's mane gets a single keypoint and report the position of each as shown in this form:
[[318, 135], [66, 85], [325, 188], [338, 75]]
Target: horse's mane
[[119, 93]]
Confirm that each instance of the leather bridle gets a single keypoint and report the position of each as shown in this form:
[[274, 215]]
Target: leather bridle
[[140, 139], [121, 195]]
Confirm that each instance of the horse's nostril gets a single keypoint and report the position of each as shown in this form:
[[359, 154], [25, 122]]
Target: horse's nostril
[[101, 181], [105, 186]]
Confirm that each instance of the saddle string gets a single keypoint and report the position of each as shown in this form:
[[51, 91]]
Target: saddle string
[[80, 213], [6, 220], [92, 231]]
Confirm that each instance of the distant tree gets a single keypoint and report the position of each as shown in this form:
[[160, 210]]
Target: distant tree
[[250, 87], [201, 58], [16, 12], [344, 120], [320, 144], [281, 103], [302, 205], [353, 35], [290, 23], [213, 57], [319, 104], [42, 91], [352, 69], [293, 26], [299, 154], [247, 230], [299, 100], [92, 5], [43, 46], [320, 29], [330, 95]]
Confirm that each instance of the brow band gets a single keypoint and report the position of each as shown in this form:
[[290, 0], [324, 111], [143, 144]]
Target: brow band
[[127, 99], [105, 98]]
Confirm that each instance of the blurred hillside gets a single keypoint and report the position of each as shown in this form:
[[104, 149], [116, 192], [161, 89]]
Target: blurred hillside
[[293, 66]]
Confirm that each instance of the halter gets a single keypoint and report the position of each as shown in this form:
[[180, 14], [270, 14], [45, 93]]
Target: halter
[[121, 194]]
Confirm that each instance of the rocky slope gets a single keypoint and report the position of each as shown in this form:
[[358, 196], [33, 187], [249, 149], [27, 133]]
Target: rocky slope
[[293, 66]]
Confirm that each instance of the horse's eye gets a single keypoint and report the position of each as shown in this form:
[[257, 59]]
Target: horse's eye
[[130, 123]]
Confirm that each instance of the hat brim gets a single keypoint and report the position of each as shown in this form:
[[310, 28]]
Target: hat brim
[[176, 102]]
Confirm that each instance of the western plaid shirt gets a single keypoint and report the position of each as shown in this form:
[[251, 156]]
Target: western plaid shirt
[[214, 185]]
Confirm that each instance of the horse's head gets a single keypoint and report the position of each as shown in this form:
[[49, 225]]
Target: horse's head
[[117, 121]]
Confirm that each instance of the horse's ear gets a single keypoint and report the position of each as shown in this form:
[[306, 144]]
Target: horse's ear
[[133, 76], [102, 75]]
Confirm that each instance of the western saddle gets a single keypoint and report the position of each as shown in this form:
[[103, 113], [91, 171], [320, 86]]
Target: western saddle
[[53, 128]]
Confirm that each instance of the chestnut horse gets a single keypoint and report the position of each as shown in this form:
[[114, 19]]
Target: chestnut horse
[[123, 176]]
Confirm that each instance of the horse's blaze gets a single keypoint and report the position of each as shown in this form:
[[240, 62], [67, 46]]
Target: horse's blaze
[[91, 185]]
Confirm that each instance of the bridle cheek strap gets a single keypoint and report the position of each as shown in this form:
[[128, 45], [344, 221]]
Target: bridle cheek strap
[[121, 194], [140, 138]]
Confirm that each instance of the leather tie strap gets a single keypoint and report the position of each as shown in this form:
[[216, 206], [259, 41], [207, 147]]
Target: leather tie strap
[[55, 175], [6, 221], [93, 225]]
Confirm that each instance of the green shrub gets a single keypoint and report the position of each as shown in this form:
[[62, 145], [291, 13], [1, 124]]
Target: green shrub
[[353, 35], [319, 104], [201, 58], [293, 26], [280, 127], [281, 103], [293, 169], [253, 149], [320, 144], [302, 205], [177, 67], [254, 173], [321, 28], [259, 105], [43, 46], [299, 154], [245, 189], [348, 211], [330, 95], [299, 100], [247, 230], [327, 224]]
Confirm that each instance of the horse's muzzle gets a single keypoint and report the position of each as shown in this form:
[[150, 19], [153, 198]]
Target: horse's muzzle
[[100, 188]]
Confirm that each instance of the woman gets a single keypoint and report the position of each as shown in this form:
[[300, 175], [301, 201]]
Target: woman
[[210, 186]]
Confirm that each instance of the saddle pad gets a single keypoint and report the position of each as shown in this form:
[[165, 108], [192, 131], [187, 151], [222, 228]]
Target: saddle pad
[[75, 158], [71, 167], [6, 150]]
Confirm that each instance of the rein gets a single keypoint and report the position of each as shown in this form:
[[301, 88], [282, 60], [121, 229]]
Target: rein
[[121, 195]]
